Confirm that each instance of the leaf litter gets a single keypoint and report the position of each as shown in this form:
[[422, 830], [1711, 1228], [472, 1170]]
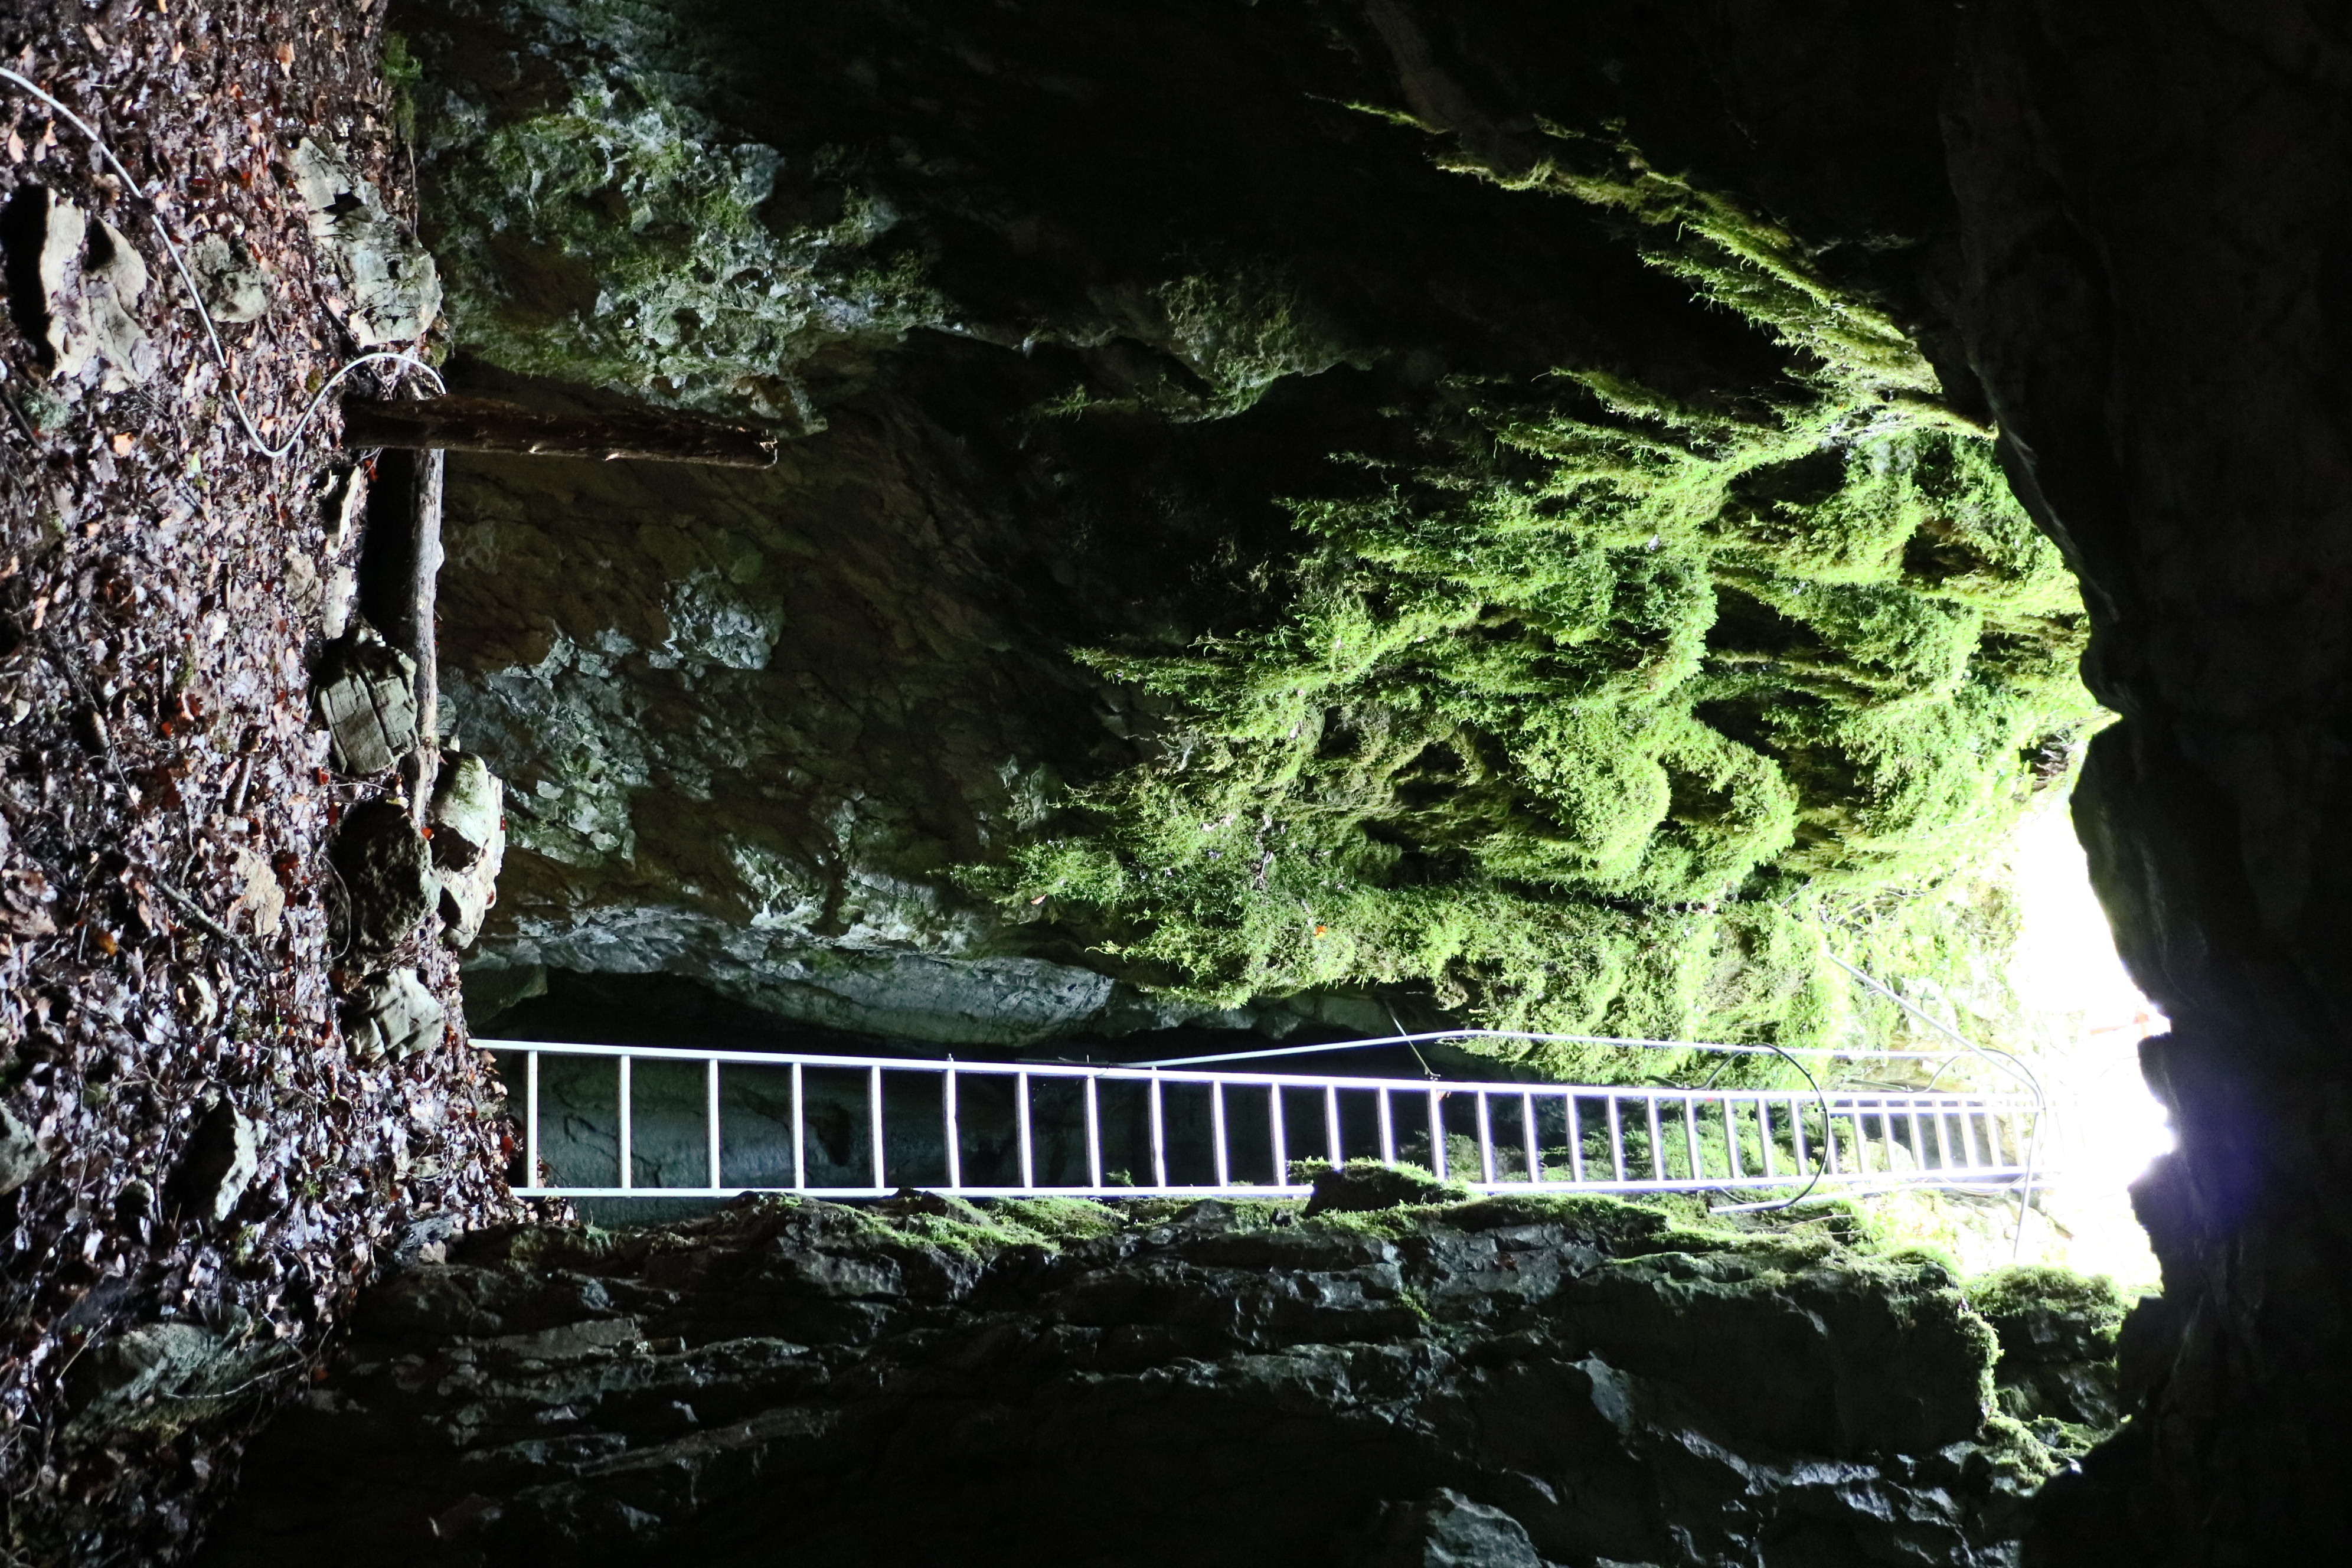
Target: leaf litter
[[205, 1171]]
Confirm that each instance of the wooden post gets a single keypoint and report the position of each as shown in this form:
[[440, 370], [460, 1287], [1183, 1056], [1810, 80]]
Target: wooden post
[[488, 424], [400, 569]]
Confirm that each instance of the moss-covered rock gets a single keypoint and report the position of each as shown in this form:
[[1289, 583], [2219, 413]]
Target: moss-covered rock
[[1152, 1381], [2058, 1331], [1512, 572]]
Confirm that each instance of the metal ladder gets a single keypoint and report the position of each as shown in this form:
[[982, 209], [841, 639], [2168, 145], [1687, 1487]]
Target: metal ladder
[[859, 1127]]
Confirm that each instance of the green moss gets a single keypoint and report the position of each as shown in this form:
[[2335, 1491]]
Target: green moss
[[2090, 1299], [1381, 1225], [955, 1225], [1599, 750], [401, 73], [1361, 1186], [1058, 1219], [1572, 701], [2065, 1441], [2020, 1461]]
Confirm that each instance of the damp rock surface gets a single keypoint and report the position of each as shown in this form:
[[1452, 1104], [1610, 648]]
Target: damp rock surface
[[387, 881], [1498, 1382]]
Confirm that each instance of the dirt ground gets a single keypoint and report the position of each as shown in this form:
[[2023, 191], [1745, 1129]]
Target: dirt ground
[[168, 991]]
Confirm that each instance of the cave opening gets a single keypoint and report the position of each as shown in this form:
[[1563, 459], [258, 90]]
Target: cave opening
[[1366, 782]]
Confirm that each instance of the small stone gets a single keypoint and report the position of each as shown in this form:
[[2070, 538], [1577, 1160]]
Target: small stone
[[387, 885], [365, 693], [347, 510], [467, 802], [232, 287], [261, 898], [395, 1017], [335, 601], [21, 1155], [223, 1156], [303, 586]]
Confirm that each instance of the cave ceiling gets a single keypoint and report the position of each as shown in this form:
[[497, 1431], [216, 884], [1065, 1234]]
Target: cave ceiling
[[1287, 514]]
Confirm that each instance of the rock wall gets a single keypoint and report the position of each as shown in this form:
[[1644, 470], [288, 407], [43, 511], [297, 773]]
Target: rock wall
[[751, 719], [1500, 1382], [2155, 198], [1281, 503]]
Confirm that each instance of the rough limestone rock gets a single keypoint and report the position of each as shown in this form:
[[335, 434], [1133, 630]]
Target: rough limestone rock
[[1447, 1529], [90, 280], [469, 803], [223, 1156], [394, 1016], [395, 287], [693, 791], [161, 1378], [364, 691], [469, 843], [1503, 1382], [233, 288], [386, 885]]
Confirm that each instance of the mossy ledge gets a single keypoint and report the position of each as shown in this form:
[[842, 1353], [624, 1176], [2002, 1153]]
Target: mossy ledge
[[1166, 1382]]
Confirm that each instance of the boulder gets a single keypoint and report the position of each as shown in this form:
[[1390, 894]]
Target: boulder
[[387, 884], [394, 1016], [469, 843], [467, 800], [232, 286], [90, 281], [364, 691], [395, 288], [223, 1156]]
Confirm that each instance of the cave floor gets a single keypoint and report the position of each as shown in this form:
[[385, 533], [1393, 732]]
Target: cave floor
[[196, 1167]]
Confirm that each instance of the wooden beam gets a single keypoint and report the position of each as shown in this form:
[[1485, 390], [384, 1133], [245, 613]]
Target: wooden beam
[[488, 424], [399, 574]]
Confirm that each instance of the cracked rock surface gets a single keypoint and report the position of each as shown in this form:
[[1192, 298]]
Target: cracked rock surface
[[1497, 1382]]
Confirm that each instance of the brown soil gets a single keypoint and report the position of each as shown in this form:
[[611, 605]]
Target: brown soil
[[162, 790]]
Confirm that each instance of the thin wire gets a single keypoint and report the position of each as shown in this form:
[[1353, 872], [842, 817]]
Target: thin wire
[[1821, 1155], [1998, 1058], [1398, 1025], [1582, 1040], [196, 296], [1406, 1039]]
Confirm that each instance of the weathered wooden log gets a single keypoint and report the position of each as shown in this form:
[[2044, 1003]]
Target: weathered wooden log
[[400, 569], [488, 424]]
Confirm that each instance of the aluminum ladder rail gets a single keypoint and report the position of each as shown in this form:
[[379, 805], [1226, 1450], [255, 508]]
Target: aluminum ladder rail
[[1652, 1139]]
